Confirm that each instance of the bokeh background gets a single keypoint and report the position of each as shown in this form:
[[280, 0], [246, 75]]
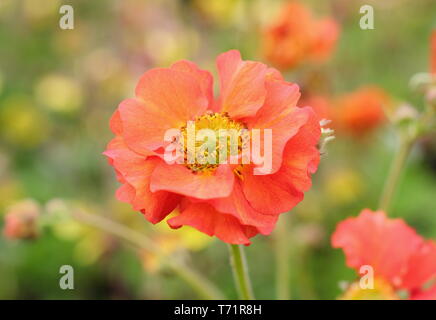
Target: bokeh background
[[58, 89]]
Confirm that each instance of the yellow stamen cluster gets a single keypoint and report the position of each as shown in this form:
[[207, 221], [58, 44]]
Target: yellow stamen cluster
[[381, 290], [214, 122]]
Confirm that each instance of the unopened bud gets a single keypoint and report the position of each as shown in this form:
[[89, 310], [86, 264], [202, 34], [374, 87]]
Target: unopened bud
[[420, 81], [21, 220], [431, 96], [327, 135], [404, 113]]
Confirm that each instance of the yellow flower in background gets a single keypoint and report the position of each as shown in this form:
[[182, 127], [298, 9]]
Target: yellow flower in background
[[21, 123], [10, 191], [222, 12], [343, 186], [173, 242], [75, 41], [59, 93], [90, 242], [38, 11], [6, 7], [380, 291], [58, 216], [90, 248], [173, 44], [188, 238], [100, 64]]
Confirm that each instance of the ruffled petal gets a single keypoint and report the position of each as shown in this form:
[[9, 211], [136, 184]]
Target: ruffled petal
[[281, 191], [422, 266], [237, 205], [242, 85], [115, 123], [373, 239], [271, 194], [166, 99], [206, 219], [125, 193], [283, 119], [204, 78], [135, 171], [281, 98], [202, 185]]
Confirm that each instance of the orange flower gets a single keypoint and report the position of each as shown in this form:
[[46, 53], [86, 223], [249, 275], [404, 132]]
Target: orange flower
[[400, 258], [296, 36], [361, 111], [227, 200]]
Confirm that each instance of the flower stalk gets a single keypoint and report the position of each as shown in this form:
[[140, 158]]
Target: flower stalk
[[193, 278], [393, 178], [282, 255], [239, 266]]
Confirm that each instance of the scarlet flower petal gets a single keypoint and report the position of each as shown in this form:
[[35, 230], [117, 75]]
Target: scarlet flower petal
[[280, 99], [281, 191], [237, 205], [166, 99], [115, 123], [125, 193], [202, 185], [373, 239], [429, 294], [135, 171], [242, 85], [422, 266], [205, 218], [204, 78], [283, 125]]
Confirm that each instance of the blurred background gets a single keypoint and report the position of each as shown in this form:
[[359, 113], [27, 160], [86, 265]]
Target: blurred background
[[58, 89]]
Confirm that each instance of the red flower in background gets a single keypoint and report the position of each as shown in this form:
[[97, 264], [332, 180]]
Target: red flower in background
[[401, 259], [296, 36], [360, 112], [224, 200]]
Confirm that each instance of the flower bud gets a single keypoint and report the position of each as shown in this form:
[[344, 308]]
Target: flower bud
[[404, 113], [21, 220]]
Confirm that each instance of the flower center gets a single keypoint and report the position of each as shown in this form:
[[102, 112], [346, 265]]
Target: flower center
[[212, 139], [381, 290]]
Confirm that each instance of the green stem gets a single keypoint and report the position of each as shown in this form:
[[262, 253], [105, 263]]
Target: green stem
[[240, 272], [282, 253], [395, 174], [200, 284]]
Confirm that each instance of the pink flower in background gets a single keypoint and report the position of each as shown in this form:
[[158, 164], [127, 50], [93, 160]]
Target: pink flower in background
[[401, 259]]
